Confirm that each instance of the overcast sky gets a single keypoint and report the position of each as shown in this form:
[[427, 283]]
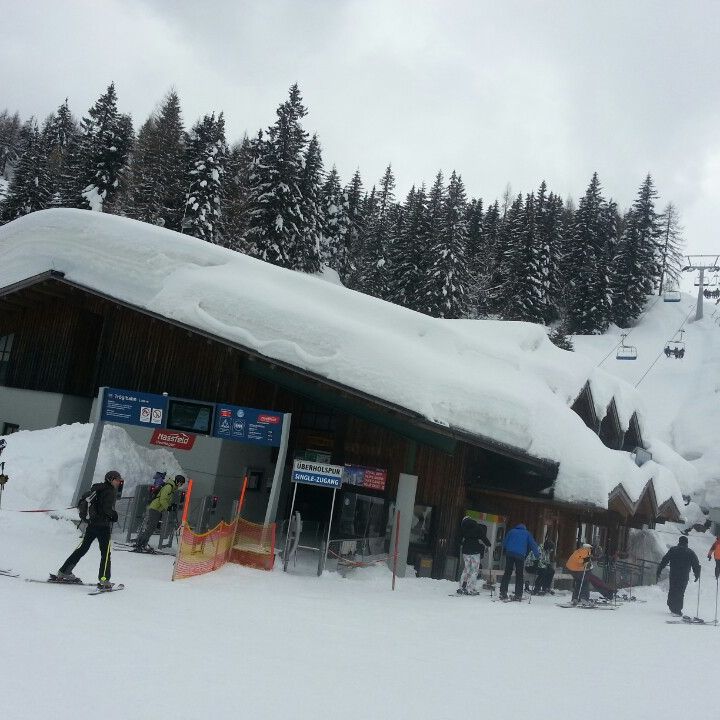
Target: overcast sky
[[503, 92]]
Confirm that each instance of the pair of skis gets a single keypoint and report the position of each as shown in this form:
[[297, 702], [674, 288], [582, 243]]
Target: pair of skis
[[54, 580], [687, 620], [589, 606], [9, 573], [127, 547]]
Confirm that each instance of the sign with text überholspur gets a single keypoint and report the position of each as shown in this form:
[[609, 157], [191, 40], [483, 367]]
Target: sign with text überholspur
[[134, 408], [314, 473], [248, 425]]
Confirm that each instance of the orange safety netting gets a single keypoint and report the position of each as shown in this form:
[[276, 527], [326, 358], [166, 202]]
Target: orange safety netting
[[254, 545], [239, 542], [202, 553]]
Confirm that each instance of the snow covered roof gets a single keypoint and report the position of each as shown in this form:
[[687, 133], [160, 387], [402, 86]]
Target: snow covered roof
[[503, 382]]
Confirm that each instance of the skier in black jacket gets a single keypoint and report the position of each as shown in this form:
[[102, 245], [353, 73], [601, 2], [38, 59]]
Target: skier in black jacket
[[681, 559], [474, 533], [97, 508]]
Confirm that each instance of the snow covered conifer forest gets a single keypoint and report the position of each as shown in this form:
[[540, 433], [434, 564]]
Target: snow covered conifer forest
[[533, 256]]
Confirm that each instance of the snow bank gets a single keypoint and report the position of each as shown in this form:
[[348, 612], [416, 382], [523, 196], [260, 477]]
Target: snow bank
[[46, 480]]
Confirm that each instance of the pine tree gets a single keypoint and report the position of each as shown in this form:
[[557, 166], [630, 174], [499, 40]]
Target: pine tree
[[475, 253], [508, 270], [669, 248], [276, 226], [587, 291], [356, 230], [97, 160], [448, 279], [313, 215], [30, 188], [335, 251], [379, 237], [241, 169], [158, 168], [549, 218], [60, 132], [523, 258], [489, 273], [636, 270], [12, 138], [206, 161], [409, 257]]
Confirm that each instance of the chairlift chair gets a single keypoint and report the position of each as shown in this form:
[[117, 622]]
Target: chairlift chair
[[671, 296], [626, 352], [675, 348]]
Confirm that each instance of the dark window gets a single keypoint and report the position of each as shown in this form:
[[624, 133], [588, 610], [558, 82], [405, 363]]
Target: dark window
[[6, 342], [10, 428], [317, 417]]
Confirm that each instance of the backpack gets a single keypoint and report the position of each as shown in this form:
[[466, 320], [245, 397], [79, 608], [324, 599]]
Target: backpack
[[154, 494], [88, 505], [157, 485]]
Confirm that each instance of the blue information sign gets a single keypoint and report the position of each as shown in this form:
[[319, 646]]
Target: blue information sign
[[134, 408], [314, 473], [248, 425]]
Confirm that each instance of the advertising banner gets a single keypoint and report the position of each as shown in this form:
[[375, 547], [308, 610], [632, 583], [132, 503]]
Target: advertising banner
[[173, 439], [365, 477]]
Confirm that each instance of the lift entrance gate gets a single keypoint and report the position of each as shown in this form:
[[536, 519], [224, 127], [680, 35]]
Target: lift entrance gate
[[180, 420]]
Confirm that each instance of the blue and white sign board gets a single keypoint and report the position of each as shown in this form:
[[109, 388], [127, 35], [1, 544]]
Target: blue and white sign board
[[248, 425], [134, 408], [314, 473]]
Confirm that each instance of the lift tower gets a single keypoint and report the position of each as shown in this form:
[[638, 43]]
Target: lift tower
[[701, 263]]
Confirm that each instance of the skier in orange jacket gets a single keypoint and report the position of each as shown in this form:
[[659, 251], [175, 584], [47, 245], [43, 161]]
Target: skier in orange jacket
[[714, 552]]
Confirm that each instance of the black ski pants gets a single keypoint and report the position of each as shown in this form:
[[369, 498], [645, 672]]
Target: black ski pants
[[543, 579], [717, 569], [152, 518], [676, 594], [518, 565], [581, 585], [101, 533]]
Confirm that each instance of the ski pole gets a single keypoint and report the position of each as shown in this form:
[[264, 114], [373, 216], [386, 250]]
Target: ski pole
[[716, 597], [697, 612]]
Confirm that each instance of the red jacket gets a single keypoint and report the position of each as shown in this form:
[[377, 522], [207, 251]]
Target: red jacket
[[715, 550]]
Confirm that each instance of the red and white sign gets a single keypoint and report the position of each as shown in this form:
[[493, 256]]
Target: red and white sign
[[269, 419], [173, 439]]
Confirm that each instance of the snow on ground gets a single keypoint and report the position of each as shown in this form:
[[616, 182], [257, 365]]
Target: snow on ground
[[271, 645]]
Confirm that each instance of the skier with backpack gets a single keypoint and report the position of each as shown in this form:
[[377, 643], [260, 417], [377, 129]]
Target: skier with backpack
[[158, 505], [97, 509]]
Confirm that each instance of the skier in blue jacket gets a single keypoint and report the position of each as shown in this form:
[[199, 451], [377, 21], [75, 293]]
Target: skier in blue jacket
[[517, 544]]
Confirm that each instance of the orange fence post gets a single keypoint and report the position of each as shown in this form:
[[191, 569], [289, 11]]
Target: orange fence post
[[187, 502], [397, 534], [242, 495]]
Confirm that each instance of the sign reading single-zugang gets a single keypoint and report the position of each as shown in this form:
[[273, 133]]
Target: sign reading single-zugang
[[315, 473]]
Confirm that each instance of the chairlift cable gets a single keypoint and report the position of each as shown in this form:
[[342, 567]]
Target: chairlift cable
[[662, 352], [627, 334]]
